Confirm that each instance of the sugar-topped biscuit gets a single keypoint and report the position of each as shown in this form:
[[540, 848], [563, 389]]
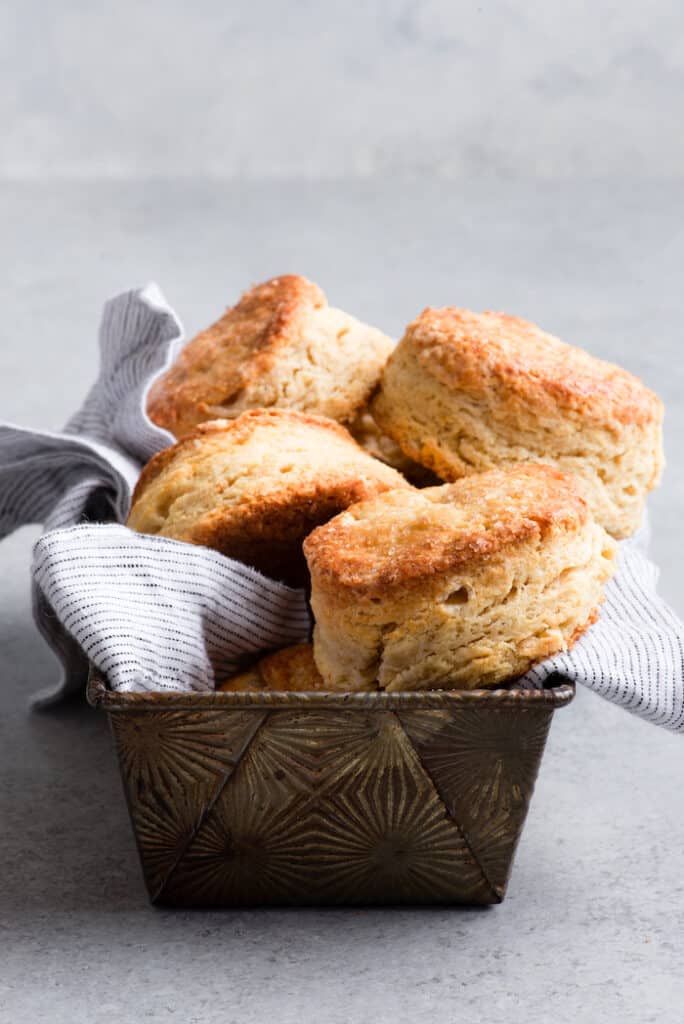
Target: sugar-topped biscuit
[[281, 346], [464, 392], [456, 587]]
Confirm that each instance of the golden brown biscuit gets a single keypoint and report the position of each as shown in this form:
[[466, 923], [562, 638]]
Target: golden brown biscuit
[[252, 488], [455, 587], [292, 668], [464, 392], [281, 346]]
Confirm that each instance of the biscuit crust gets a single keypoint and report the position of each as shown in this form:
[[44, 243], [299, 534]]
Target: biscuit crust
[[458, 586], [464, 392], [281, 346], [254, 487], [292, 668], [400, 540]]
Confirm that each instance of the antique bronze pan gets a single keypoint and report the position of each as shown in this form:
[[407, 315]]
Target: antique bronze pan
[[245, 799]]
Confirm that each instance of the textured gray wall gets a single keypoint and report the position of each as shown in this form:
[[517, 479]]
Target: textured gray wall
[[322, 88]]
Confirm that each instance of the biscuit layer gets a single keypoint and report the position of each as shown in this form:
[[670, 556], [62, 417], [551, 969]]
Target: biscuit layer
[[281, 346], [254, 487], [292, 668], [464, 392], [459, 586]]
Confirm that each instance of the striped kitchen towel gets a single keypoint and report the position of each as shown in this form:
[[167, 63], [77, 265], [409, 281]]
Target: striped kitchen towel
[[156, 613], [141, 608], [634, 655]]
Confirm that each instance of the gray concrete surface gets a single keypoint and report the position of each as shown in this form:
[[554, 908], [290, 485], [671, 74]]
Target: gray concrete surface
[[319, 88], [593, 925]]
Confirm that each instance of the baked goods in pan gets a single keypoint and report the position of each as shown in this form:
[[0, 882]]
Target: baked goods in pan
[[281, 346], [464, 392], [291, 668], [254, 487], [459, 586]]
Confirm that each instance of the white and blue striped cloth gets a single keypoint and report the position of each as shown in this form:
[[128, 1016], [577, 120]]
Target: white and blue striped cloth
[[153, 613]]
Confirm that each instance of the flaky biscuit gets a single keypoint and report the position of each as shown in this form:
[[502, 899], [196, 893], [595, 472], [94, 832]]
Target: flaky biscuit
[[292, 668], [464, 392], [367, 433], [253, 487], [281, 346], [455, 587]]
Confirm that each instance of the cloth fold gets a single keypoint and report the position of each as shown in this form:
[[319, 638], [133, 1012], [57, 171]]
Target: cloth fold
[[158, 614], [634, 654], [86, 475], [154, 613]]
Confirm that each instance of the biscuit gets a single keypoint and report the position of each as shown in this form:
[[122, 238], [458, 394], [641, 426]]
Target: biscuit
[[292, 668], [281, 346], [456, 587], [253, 487], [464, 392], [368, 435]]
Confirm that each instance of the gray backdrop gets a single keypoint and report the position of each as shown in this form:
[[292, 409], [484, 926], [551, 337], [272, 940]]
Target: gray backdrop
[[321, 88], [523, 156]]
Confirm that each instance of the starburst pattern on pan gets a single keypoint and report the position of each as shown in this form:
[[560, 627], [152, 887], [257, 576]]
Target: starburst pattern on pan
[[164, 828], [245, 806], [381, 836], [308, 752], [164, 751], [245, 854], [252, 845], [484, 767], [392, 839]]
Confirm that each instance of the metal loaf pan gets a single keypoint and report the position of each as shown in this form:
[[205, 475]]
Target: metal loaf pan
[[241, 799]]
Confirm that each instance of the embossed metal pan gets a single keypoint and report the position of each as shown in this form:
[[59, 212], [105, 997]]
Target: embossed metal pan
[[241, 799]]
